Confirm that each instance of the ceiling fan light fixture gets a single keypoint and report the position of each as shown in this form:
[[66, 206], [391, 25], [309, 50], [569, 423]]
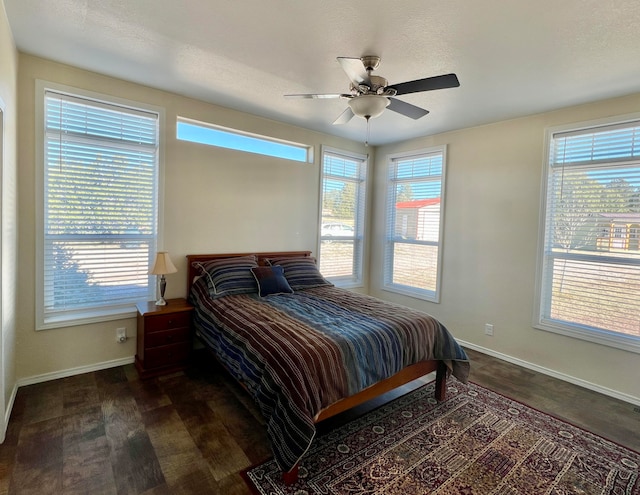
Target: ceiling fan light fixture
[[368, 106]]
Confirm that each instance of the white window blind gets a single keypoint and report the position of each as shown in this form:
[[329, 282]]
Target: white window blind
[[414, 218], [343, 211], [590, 275], [100, 214]]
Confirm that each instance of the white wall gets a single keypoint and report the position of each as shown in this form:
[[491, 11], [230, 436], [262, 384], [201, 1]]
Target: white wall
[[490, 237], [215, 201], [8, 217]]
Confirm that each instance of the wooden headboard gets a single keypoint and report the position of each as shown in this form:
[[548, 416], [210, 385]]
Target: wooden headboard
[[192, 271]]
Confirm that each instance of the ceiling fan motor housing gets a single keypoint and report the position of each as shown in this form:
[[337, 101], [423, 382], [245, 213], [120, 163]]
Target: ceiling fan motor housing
[[378, 86]]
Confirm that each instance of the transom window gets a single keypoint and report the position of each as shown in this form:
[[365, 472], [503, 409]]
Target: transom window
[[99, 209], [414, 223], [589, 276], [200, 132]]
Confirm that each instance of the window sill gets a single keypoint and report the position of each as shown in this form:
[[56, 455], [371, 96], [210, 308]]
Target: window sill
[[602, 337], [424, 295], [347, 283], [87, 318]]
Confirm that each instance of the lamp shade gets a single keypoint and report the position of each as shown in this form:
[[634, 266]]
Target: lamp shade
[[368, 106], [163, 264]]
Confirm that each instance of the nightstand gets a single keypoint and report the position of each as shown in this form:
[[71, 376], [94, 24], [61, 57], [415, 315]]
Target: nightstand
[[164, 337]]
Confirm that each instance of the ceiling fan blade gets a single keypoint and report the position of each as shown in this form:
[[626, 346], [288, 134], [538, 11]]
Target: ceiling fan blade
[[344, 117], [355, 70], [320, 96], [427, 84], [406, 109]]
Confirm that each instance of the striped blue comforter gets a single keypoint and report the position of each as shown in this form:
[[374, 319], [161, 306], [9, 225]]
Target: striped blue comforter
[[299, 353]]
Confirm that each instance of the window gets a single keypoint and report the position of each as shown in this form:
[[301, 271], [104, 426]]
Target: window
[[99, 208], [414, 223], [198, 132], [589, 275], [344, 178]]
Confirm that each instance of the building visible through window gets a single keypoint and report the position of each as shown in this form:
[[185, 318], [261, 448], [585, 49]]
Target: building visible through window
[[590, 271], [414, 223]]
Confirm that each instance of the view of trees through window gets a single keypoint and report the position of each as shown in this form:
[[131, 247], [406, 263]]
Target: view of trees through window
[[591, 273], [589, 210], [343, 194], [100, 175], [338, 223]]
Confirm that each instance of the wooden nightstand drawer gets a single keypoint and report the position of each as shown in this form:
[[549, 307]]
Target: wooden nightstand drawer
[[167, 355], [166, 337], [167, 322]]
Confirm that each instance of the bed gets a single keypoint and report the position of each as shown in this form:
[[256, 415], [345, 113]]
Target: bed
[[306, 350]]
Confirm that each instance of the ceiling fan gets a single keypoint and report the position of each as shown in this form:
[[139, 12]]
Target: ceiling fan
[[369, 95]]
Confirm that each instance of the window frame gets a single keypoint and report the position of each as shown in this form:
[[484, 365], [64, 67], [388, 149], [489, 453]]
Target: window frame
[[356, 279], [542, 299], [390, 227], [89, 314]]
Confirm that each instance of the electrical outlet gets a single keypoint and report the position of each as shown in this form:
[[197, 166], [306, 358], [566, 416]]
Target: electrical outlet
[[636, 409], [488, 329], [121, 335]]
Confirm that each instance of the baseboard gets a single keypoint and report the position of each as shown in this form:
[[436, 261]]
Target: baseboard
[[555, 374], [74, 371]]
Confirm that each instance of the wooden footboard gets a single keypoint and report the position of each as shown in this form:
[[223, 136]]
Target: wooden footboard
[[401, 378]]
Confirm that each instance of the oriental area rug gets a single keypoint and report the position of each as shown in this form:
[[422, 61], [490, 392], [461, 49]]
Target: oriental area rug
[[475, 442]]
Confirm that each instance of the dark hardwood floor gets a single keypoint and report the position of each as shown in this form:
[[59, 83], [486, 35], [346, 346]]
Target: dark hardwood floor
[[108, 432]]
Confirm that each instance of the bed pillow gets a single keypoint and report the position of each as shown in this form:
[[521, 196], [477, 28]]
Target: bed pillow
[[229, 276], [271, 280], [301, 273]]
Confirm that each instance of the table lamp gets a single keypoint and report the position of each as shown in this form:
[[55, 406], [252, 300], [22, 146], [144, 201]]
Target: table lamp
[[162, 266]]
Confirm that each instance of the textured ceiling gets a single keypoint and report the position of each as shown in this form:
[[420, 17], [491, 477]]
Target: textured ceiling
[[513, 57]]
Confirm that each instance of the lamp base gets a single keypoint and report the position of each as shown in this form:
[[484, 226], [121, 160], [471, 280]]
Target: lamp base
[[163, 286]]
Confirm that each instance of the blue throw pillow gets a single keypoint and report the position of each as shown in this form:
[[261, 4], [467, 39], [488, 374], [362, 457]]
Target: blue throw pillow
[[270, 280]]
